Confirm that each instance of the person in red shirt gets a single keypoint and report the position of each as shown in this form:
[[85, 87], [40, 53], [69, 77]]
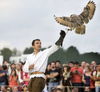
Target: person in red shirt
[[13, 79], [76, 77]]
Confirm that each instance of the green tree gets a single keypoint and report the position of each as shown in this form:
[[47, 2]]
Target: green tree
[[28, 50], [72, 54], [7, 53]]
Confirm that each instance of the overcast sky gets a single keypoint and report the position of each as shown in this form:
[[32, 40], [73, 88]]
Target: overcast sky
[[21, 21]]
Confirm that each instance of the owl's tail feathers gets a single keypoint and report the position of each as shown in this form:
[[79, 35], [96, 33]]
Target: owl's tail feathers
[[80, 29]]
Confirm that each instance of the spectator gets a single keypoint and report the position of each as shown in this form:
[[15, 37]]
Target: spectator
[[76, 77], [3, 75], [94, 64], [66, 78], [19, 73], [53, 76], [13, 79], [96, 75], [71, 64], [25, 78], [5, 68], [83, 65], [58, 64], [87, 78]]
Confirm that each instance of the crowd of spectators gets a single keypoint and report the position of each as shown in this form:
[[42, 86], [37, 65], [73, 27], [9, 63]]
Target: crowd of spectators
[[70, 77]]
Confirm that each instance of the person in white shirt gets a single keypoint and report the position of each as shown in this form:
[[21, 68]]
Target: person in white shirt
[[36, 63]]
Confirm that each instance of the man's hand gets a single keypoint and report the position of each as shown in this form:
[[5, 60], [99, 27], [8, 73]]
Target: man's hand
[[61, 38], [62, 33], [31, 66]]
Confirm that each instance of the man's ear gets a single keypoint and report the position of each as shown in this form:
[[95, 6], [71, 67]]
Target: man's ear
[[32, 46]]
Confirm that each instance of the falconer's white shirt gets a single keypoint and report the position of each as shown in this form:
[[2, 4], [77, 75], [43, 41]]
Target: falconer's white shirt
[[39, 60]]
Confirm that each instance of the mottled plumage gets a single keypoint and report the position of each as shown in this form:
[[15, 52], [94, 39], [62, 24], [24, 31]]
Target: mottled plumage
[[77, 22]]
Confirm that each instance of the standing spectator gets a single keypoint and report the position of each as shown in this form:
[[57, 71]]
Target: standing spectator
[[19, 73], [76, 77], [83, 65], [13, 79], [53, 76], [59, 68], [58, 64], [11, 67], [5, 69], [87, 78], [3, 75], [94, 64], [96, 75], [47, 79], [66, 78], [71, 64], [6, 63], [25, 78]]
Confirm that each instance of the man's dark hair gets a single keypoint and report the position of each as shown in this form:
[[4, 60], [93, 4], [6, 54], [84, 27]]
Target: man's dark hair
[[76, 63], [72, 62], [4, 67], [53, 62], [57, 61], [34, 41]]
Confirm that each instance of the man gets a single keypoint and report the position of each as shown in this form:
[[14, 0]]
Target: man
[[71, 64], [36, 63], [54, 76], [3, 76], [76, 76]]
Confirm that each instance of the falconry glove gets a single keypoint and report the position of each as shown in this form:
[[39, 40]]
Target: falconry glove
[[61, 38]]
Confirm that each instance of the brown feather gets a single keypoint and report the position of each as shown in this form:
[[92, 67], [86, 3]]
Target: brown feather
[[80, 29], [92, 8]]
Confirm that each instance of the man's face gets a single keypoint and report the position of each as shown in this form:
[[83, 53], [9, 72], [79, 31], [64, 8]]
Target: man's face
[[53, 65], [76, 65], [58, 64], [98, 67], [70, 64], [83, 64], [94, 63], [37, 45]]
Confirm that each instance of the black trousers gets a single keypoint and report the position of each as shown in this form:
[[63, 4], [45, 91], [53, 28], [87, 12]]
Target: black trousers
[[79, 84]]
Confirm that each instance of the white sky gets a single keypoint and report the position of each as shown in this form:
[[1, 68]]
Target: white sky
[[21, 21]]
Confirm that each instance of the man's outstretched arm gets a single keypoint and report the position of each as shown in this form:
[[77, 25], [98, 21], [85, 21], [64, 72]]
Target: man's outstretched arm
[[57, 45]]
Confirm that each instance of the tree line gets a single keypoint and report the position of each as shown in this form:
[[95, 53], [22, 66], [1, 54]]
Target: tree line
[[70, 54]]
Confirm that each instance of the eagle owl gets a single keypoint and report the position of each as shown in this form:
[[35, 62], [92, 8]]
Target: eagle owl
[[77, 22]]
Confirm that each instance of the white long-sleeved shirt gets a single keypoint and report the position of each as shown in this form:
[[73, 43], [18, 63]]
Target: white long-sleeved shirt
[[40, 61]]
